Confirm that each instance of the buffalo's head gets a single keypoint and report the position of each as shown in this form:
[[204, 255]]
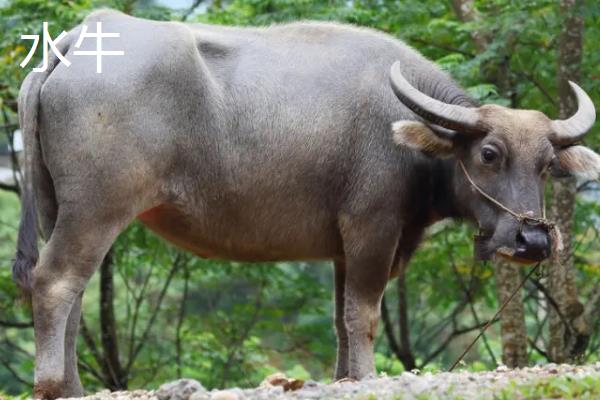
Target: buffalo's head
[[507, 153]]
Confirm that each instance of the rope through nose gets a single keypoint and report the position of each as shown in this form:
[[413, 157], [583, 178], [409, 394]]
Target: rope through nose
[[553, 230]]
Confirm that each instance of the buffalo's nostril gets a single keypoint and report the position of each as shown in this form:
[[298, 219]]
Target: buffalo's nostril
[[521, 244], [532, 243]]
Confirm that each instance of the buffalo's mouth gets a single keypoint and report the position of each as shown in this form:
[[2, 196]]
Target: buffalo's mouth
[[530, 244]]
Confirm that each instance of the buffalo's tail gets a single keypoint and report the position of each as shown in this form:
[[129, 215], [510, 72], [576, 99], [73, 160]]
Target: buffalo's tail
[[27, 241], [35, 175]]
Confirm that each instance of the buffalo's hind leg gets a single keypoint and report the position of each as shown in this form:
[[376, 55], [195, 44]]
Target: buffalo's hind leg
[[79, 241], [341, 364], [73, 387]]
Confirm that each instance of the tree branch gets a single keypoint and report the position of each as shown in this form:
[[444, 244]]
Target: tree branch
[[442, 47], [138, 299], [592, 307], [389, 329], [14, 373], [16, 324], [535, 347], [244, 335], [407, 358], [181, 316], [450, 337], [190, 10], [108, 327], [17, 348], [552, 302], [13, 156], [142, 341], [91, 345], [90, 370], [468, 296], [10, 188], [540, 87]]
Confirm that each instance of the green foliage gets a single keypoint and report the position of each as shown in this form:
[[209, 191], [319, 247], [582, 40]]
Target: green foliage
[[25, 17], [242, 322], [265, 12], [11, 309]]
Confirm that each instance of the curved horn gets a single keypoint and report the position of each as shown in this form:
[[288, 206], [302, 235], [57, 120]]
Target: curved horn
[[442, 132], [448, 116], [567, 131]]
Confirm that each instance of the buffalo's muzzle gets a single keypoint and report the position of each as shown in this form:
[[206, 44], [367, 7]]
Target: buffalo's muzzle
[[532, 243]]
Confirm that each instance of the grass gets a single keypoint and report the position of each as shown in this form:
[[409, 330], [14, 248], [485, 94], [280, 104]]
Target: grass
[[557, 387]]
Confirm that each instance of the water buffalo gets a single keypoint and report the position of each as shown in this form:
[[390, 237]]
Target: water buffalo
[[266, 144]]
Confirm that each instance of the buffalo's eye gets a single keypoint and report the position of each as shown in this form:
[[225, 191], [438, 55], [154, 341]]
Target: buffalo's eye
[[489, 154]]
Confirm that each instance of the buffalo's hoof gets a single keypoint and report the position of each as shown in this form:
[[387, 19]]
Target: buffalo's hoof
[[48, 390]]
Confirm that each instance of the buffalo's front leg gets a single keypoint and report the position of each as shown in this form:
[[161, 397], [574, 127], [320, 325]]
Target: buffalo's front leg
[[369, 247]]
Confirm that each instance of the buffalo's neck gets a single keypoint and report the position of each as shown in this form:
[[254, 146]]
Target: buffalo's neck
[[444, 91], [444, 201]]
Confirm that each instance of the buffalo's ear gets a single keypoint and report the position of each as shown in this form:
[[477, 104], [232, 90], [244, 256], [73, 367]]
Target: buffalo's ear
[[578, 161], [418, 136]]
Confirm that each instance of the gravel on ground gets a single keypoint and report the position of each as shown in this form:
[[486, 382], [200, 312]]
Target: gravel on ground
[[548, 381]]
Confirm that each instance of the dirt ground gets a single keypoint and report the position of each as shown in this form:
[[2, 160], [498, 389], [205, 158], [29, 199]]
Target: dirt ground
[[549, 381]]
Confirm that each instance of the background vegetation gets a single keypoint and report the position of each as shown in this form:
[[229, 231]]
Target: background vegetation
[[153, 314]]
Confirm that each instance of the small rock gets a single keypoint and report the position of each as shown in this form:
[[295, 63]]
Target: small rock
[[279, 379], [311, 384], [408, 375], [264, 393], [200, 395], [230, 394], [138, 394], [274, 379], [502, 368], [419, 386], [344, 380], [181, 389], [552, 368], [312, 394]]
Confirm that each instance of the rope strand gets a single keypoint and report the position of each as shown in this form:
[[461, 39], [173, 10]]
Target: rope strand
[[491, 321]]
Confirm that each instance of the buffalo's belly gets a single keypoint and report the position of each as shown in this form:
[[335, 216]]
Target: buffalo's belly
[[216, 237]]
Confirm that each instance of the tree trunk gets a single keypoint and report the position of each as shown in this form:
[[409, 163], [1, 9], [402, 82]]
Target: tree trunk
[[111, 368], [513, 334], [512, 322], [466, 12], [401, 347], [564, 339], [561, 282], [407, 358]]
